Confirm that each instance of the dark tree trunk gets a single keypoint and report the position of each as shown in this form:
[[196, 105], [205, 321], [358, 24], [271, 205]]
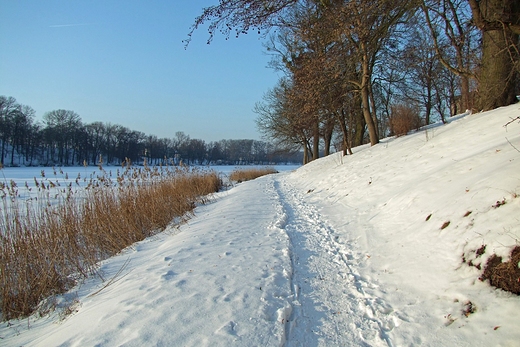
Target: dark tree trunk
[[359, 128], [327, 134], [343, 126], [316, 140], [365, 99], [497, 80], [499, 21]]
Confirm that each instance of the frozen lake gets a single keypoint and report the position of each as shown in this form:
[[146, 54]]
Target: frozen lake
[[27, 179], [70, 173]]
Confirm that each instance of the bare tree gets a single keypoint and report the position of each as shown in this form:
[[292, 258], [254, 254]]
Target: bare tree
[[242, 16], [454, 40], [279, 120], [61, 128], [21, 123], [8, 108]]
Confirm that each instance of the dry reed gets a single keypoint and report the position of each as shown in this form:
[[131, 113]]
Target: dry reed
[[47, 246], [242, 175]]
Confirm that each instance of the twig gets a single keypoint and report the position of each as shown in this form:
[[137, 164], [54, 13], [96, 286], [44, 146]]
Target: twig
[[505, 126], [113, 279], [518, 150], [511, 121]]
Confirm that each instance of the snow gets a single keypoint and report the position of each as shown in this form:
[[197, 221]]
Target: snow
[[337, 253]]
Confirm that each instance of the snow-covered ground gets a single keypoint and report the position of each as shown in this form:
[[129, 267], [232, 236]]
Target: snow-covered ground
[[345, 251]]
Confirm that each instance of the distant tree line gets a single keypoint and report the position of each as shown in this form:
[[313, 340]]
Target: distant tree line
[[354, 70], [63, 139]]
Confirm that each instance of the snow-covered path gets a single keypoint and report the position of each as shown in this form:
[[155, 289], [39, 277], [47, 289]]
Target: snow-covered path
[[332, 307]]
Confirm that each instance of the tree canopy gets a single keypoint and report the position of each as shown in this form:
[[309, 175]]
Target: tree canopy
[[354, 69]]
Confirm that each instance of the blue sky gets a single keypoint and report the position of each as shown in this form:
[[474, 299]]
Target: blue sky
[[124, 62]]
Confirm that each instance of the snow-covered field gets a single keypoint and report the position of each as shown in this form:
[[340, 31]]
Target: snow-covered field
[[345, 251]]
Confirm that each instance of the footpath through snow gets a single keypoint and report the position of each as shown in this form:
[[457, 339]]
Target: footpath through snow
[[345, 251]]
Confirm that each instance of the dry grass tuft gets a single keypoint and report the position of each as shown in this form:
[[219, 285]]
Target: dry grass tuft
[[46, 247], [242, 175], [505, 275]]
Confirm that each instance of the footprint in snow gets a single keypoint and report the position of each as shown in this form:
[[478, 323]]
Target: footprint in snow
[[168, 276]]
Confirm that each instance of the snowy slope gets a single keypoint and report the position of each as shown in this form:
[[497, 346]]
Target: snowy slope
[[340, 252], [378, 201]]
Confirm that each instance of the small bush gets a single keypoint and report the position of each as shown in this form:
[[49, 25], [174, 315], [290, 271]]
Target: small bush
[[403, 119], [242, 175]]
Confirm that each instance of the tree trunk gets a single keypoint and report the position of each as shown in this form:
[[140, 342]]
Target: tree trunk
[[305, 156], [3, 151], [466, 101], [365, 97], [327, 134], [498, 20], [346, 144], [359, 128], [497, 80], [428, 105], [307, 151], [373, 110], [316, 140], [13, 146], [327, 138]]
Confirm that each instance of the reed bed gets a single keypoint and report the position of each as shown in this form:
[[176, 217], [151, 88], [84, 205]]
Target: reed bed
[[50, 241], [242, 175]]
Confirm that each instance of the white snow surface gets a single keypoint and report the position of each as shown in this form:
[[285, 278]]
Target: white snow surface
[[336, 253]]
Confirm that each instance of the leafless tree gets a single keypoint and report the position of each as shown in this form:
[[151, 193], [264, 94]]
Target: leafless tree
[[455, 41]]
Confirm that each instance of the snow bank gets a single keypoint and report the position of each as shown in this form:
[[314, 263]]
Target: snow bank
[[390, 203]]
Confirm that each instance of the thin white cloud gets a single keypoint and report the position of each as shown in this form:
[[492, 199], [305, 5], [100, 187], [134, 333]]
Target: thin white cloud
[[68, 25]]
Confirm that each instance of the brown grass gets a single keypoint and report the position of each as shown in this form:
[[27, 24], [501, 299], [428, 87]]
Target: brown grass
[[46, 247], [504, 275], [242, 175]]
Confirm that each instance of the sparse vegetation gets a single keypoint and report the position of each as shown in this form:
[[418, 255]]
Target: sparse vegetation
[[242, 175], [473, 259], [50, 242], [504, 275]]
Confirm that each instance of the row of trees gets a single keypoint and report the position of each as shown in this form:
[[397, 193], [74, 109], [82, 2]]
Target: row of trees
[[63, 139], [352, 69]]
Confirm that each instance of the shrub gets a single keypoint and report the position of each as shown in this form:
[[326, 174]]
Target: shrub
[[404, 118], [242, 175]]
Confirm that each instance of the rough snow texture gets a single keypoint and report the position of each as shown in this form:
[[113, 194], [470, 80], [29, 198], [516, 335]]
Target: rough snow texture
[[345, 251]]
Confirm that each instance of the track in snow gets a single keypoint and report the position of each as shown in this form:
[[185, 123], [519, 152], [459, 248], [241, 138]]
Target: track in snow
[[330, 306]]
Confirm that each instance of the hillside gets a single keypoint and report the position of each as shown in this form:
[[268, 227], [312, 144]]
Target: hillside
[[381, 248]]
